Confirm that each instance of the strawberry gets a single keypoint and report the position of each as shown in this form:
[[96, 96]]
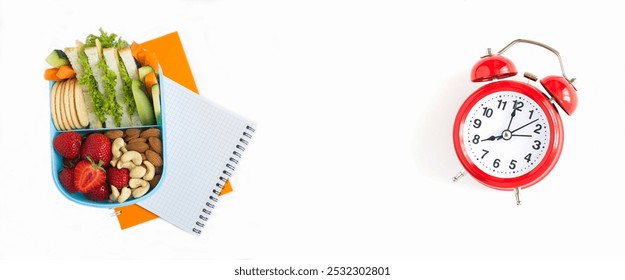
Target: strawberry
[[66, 176], [67, 144], [117, 177], [88, 175], [70, 163], [99, 193], [98, 147]]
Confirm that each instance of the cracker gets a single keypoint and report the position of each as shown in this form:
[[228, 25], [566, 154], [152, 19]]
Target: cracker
[[61, 108], [69, 104], [53, 106], [80, 106]]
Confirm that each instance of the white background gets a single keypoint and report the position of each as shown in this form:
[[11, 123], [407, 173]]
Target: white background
[[353, 156]]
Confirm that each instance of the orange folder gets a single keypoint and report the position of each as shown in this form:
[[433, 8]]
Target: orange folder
[[175, 65]]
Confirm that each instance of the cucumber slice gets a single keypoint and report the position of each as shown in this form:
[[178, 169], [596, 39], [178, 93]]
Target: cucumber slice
[[57, 58], [144, 106], [156, 101], [144, 70]]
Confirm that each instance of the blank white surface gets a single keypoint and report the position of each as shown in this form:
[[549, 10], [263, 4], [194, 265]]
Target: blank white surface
[[352, 158]]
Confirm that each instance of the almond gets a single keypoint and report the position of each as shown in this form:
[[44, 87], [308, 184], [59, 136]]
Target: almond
[[133, 132], [154, 158], [137, 146], [155, 180], [139, 139], [151, 132], [156, 144], [114, 134]]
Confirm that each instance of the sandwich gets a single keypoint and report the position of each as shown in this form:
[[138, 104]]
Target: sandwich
[[108, 69]]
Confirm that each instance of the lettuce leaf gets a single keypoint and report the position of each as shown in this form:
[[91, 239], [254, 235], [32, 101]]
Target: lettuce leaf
[[107, 40], [88, 80], [110, 103], [127, 89]]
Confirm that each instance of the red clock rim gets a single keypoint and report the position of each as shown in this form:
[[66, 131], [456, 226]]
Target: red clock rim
[[553, 151]]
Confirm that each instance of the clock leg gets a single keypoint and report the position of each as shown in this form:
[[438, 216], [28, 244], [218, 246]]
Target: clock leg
[[517, 195], [458, 176]]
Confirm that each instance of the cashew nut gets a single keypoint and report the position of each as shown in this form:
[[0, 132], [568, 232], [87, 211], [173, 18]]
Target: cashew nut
[[124, 150], [135, 183], [118, 143], [127, 165], [114, 193], [137, 172], [141, 191], [149, 175], [125, 194], [132, 156], [116, 147]]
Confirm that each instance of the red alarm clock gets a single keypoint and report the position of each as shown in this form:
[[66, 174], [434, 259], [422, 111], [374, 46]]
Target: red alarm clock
[[508, 134]]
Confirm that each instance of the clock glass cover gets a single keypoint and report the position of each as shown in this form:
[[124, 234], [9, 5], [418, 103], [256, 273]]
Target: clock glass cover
[[506, 134]]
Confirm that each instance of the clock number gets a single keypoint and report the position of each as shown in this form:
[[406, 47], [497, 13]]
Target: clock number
[[536, 145], [485, 152], [512, 164], [538, 128], [528, 157], [496, 163], [517, 105], [477, 123], [488, 112], [476, 139], [500, 103], [531, 113]]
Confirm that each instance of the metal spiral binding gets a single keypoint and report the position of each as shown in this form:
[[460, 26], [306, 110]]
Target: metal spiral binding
[[231, 165]]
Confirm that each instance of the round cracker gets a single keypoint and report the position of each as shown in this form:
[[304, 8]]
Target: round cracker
[[81, 107], [70, 104], [64, 116], [57, 105], [53, 106]]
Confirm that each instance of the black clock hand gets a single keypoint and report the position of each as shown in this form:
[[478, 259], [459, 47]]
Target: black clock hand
[[523, 126], [492, 138], [521, 135], [511, 118]]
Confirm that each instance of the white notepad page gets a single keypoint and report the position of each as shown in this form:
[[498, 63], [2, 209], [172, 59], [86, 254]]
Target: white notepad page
[[204, 143]]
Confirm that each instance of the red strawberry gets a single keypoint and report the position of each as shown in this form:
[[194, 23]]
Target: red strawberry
[[98, 147], [88, 175], [99, 193], [66, 176], [68, 144], [70, 163], [117, 177]]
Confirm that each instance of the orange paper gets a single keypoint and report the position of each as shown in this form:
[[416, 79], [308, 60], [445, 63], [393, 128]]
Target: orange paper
[[175, 65]]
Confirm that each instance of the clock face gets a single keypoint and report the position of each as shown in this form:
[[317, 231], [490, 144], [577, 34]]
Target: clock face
[[506, 134]]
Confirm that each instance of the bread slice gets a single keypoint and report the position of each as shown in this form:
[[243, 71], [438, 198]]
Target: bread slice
[[93, 55], [129, 62], [110, 56], [131, 69], [93, 120], [72, 55]]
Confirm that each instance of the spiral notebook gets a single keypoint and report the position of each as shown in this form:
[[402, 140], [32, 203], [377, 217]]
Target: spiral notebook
[[173, 61], [205, 142]]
